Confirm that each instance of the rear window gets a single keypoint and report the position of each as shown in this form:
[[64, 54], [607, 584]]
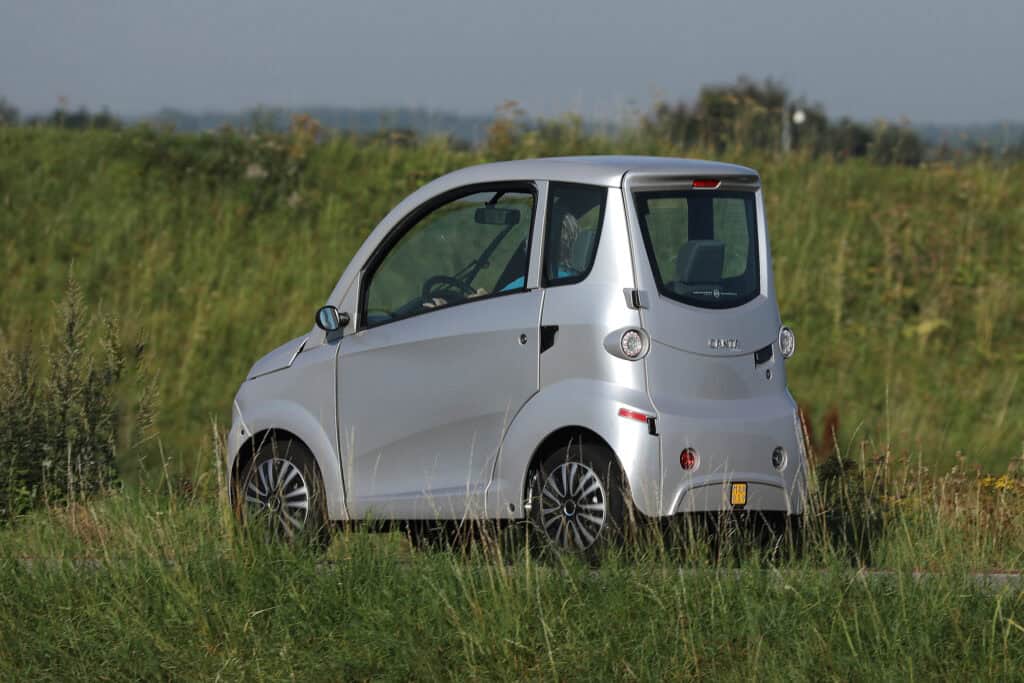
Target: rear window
[[702, 245]]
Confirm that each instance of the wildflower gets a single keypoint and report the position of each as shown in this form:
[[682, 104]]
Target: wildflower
[[255, 172]]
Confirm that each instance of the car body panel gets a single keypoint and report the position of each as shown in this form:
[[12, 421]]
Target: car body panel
[[424, 403], [301, 402], [279, 359]]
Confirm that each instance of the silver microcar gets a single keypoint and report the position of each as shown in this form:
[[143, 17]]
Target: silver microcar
[[573, 341]]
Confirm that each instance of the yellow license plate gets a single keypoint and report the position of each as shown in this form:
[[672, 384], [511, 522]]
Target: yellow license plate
[[738, 494]]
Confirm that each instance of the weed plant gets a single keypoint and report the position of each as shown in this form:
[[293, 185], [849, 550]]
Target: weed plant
[[62, 409]]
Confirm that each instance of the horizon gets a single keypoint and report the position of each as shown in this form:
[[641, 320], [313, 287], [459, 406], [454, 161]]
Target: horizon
[[71, 107]]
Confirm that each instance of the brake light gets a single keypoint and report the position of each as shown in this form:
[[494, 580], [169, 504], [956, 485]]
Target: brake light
[[633, 414], [706, 184]]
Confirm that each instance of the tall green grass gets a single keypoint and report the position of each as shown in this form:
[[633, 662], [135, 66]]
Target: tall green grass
[[160, 584], [902, 284]]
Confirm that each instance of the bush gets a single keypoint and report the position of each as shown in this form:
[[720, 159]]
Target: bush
[[64, 420]]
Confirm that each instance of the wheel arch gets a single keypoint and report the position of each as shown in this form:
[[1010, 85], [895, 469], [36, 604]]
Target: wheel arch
[[555, 413], [247, 451], [561, 437], [257, 421]]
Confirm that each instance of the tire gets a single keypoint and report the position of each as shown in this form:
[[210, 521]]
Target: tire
[[281, 493], [579, 503]]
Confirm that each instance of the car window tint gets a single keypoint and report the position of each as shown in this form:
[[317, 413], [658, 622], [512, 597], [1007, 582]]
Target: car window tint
[[469, 248], [702, 245], [574, 217]]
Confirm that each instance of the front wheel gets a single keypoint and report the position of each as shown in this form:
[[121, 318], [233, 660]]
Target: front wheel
[[281, 492], [578, 500]]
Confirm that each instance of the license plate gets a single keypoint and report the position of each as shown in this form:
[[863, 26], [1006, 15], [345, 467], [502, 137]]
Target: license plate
[[738, 495]]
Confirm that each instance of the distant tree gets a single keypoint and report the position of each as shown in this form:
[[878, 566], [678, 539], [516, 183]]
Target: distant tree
[[896, 145], [746, 113], [82, 119], [561, 136], [1016, 152], [812, 134], [849, 139], [672, 123], [9, 115], [506, 132], [265, 120]]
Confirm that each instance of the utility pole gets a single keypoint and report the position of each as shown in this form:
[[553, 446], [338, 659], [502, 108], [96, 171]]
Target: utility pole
[[787, 133]]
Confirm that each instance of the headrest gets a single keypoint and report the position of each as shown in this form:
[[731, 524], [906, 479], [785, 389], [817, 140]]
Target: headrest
[[582, 251], [700, 262]]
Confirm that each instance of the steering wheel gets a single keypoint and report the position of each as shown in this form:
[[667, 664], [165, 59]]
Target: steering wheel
[[448, 283]]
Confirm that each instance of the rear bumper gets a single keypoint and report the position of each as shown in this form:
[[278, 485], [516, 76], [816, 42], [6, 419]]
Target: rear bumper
[[734, 441]]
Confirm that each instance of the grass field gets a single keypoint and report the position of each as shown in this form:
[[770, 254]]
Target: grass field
[[901, 283], [156, 584]]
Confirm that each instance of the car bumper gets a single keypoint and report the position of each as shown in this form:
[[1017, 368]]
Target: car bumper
[[734, 445]]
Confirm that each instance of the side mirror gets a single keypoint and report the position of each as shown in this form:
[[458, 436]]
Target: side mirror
[[329, 319]]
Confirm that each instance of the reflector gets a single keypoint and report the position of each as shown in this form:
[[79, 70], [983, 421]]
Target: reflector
[[688, 459], [633, 414]]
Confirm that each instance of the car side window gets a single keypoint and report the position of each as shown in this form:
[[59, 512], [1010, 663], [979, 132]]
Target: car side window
[[468, 248], [574, 217]]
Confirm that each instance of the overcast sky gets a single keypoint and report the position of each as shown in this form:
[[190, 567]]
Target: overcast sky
[[929, 60]]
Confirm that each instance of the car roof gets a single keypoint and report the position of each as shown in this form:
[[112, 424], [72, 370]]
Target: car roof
[[607, 171]]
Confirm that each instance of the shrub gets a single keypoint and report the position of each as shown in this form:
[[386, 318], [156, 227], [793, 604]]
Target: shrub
[[64, 420]]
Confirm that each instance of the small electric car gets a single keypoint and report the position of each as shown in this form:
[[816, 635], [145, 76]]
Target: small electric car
[[573, 341]]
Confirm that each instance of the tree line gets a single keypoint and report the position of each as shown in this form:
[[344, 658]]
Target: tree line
[[745, 115]]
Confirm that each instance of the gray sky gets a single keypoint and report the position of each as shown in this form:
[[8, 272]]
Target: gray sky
[[940, 60]]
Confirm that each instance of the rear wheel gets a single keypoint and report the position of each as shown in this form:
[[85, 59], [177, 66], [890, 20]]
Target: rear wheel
[[578, 500], [281, 492]]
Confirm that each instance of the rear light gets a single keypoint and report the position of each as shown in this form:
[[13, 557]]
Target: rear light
[[628, 343], [633, 344], [779, 458], [706, 184], [787, 342], [688, 459]]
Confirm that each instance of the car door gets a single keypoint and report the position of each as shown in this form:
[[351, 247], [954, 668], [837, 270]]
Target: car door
[[445, 355]]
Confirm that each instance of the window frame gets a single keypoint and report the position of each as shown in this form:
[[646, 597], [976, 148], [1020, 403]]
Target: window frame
[[652, 261], [413, 218], [545, 282]]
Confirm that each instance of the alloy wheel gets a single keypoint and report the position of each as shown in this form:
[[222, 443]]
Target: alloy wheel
[[277, 491], [573, 506]]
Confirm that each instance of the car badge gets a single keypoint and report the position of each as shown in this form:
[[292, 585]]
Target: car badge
[[723, 344]]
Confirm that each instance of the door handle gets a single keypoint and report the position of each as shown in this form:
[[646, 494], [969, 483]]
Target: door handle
[[547, 336]]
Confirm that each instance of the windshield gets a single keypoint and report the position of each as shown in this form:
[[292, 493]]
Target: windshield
[[702, 245]]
